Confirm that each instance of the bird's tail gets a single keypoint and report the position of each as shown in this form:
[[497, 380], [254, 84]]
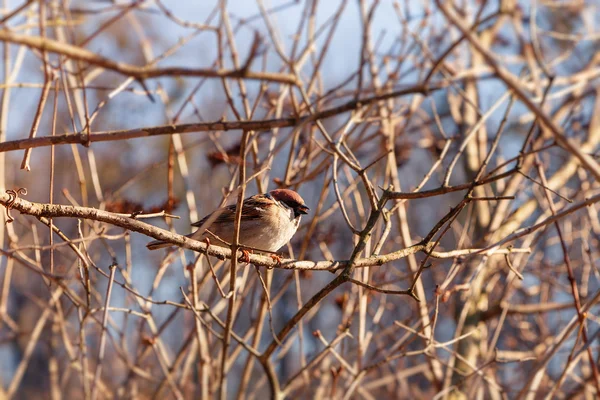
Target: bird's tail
[[158, 244]]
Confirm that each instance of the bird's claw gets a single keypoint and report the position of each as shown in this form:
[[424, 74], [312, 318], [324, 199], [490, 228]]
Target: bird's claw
[[276, 258], [245, 257]]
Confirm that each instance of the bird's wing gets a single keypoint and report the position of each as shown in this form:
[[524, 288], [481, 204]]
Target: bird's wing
[[252, 209]]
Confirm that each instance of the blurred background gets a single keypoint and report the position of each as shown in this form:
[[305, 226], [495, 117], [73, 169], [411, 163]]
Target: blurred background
[[494, 324]]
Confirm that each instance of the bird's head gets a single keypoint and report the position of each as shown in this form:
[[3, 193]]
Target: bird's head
[[290, 199]]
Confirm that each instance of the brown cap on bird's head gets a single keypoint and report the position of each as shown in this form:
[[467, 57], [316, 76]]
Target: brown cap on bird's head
[[291, 199]]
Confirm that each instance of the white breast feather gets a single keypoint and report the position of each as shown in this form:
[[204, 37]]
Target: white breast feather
[[270, 234]]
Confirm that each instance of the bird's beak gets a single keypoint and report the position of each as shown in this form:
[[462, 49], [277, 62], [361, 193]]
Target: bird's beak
[[302, 210]]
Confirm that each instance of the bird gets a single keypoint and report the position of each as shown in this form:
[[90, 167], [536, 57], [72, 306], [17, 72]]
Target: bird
[[268, 222]]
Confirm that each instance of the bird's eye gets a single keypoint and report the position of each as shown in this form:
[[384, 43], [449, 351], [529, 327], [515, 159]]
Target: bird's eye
[[293, 204]]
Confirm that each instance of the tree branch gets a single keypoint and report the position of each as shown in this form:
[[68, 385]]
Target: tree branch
[[253, 125], [137, 72], [56, 211]]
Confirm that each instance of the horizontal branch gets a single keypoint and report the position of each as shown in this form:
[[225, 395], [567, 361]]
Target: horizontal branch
[[132, 224], [590, 201], [446, 189], [259, 125], [81, 54]]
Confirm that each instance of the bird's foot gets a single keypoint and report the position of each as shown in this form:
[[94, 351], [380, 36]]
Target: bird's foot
[[245, 257], [277, 258]]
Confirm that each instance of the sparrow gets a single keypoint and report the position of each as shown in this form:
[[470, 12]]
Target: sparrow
[[268, 222]]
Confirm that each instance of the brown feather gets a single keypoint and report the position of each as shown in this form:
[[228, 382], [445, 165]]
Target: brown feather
[[227, 214], [287, 196]]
